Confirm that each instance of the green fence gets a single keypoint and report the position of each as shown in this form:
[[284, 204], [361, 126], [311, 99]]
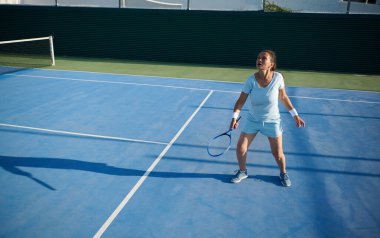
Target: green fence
[[328, 42]]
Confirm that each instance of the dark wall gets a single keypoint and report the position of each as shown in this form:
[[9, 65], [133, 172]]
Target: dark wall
[[329, 42]]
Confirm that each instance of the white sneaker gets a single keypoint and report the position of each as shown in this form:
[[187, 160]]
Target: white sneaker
[[239, 176], [285, 180]]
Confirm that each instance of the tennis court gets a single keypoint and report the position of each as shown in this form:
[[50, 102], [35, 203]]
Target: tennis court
[[112, 155]]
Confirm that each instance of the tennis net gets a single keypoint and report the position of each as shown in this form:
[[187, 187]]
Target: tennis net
[[27, 53]]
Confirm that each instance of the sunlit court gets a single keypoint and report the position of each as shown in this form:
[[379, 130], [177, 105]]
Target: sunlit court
[[111, 115], [120, 154]]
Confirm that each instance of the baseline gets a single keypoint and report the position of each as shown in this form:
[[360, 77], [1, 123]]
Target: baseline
[[193, 88]]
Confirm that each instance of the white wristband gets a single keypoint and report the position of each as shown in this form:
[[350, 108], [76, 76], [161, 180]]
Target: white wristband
[[235, 115], [293, 112]]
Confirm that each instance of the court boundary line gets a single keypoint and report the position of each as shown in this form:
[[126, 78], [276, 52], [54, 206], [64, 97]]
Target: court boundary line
[[142, 179], [180, 87], [82, 134], [137, 75], [191, 79], [112, 82]]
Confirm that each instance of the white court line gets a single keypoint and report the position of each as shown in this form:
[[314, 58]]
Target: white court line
[[120, 207], [136, 75], [82, 134], [179, 87], [182, 78], [133, 75], [109, 82]]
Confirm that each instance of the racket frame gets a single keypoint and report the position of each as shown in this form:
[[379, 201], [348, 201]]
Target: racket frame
[[227, 133]]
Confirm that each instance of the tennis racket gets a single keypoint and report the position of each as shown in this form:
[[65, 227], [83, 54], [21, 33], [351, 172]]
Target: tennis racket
[[220, 144]]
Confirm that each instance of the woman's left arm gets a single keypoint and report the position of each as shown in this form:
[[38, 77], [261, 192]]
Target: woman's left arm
[[288, 104]]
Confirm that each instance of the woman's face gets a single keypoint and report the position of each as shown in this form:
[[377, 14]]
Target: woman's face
[[264, 61]]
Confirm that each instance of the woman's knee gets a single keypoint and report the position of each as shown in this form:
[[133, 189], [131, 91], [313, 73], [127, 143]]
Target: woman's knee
[[242, 148], [278, 156]]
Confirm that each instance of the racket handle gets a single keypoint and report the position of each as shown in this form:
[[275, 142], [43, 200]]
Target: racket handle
[[231, 126]]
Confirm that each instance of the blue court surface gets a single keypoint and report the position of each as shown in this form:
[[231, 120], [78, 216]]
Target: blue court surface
[[105, 155]]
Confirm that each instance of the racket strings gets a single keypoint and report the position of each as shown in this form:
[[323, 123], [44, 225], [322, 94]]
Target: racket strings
[[219, 145]]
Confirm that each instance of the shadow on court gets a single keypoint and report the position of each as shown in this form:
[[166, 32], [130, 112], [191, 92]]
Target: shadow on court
[[13, 164], [203, 147]]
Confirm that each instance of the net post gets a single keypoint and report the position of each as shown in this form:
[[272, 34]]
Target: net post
[[264, 5], [51, 50], [348, 7]]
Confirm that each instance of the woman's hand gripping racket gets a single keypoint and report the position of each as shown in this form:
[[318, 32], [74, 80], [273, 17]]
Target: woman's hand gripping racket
[[220, 144]]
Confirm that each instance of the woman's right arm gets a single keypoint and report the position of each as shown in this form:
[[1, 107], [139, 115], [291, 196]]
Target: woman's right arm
[[237, 108]]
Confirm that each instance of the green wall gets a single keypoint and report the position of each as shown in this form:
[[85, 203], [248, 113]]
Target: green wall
[[328, 42]]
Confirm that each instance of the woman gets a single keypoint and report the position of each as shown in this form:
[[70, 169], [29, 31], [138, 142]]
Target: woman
[[264, 88]]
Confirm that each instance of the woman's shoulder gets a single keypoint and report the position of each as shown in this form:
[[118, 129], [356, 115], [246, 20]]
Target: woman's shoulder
[[279, 79], [251, 78], [278, 75]]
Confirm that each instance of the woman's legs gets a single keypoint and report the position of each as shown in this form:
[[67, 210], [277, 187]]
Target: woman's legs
[[277, 152], [241, 155], [242, 148]]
